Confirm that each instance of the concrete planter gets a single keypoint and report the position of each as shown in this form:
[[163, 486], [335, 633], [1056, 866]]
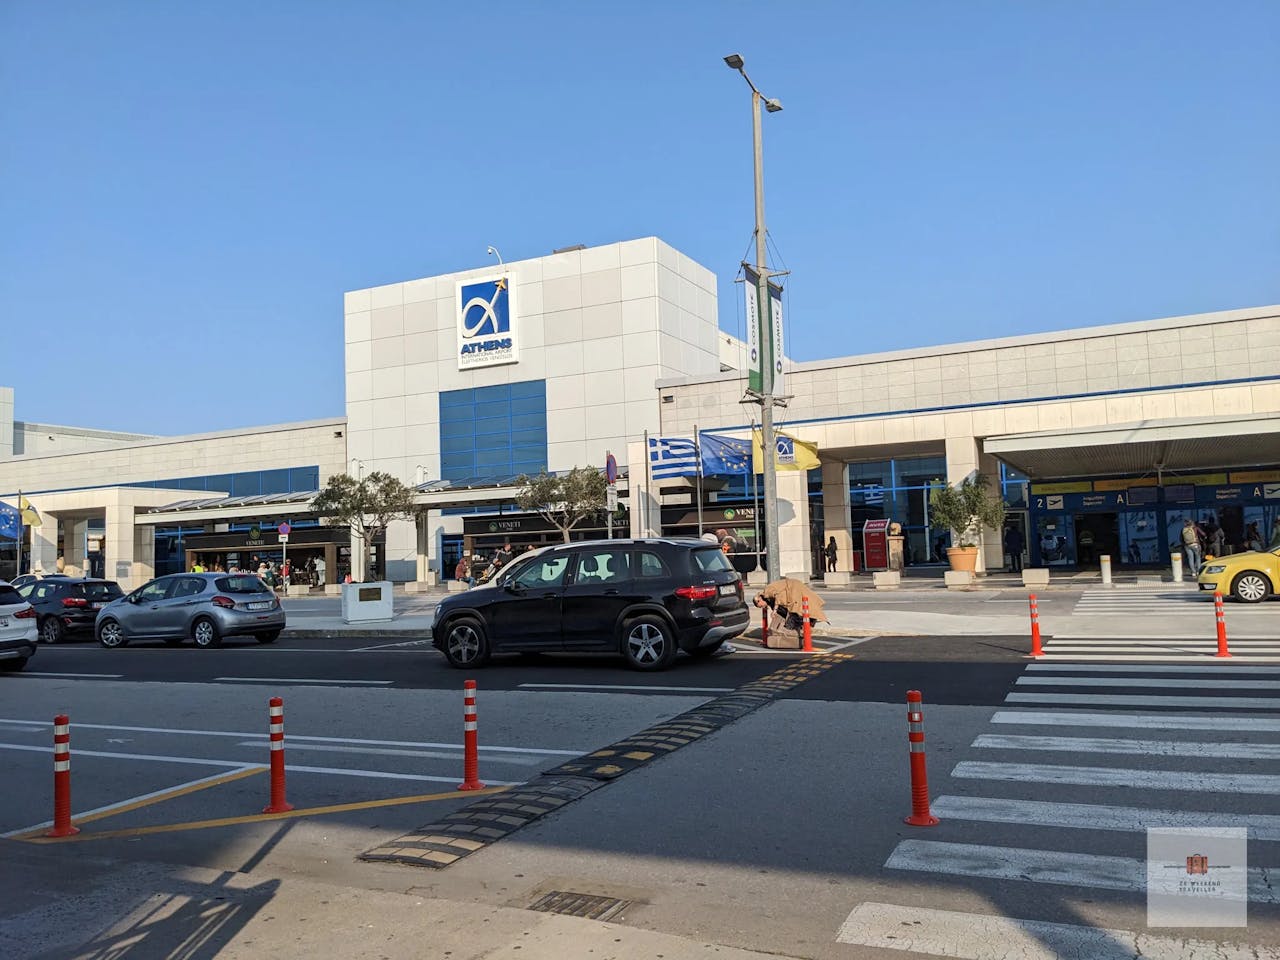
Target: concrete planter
[[366, 602]]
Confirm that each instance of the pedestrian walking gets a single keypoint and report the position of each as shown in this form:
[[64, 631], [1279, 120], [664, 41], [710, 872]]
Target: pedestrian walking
[[1191, 546], [832, 552], [1013, 544]]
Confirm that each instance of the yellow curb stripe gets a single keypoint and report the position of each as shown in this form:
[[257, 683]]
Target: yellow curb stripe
[[262, 817], [130, 805]]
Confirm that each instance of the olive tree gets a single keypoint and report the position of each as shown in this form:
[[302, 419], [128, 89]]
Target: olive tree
[[564, 500], [366, 505]]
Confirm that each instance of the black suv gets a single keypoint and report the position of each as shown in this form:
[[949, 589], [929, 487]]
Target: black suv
[[643, 599], [67, 605]]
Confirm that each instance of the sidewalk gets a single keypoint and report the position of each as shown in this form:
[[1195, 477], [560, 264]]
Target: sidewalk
[[104, 908]]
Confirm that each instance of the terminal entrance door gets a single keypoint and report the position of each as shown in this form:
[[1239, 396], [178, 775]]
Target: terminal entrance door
[[1096, 534]]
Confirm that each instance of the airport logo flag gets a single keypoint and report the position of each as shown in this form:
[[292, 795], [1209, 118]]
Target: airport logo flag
[[792, 454], [30, 517], [725, 456], [672, 457]]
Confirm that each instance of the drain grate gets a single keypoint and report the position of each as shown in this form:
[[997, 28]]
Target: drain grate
[[580, 905]]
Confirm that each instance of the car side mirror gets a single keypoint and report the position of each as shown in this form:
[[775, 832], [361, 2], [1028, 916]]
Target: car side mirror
[[513, 586]]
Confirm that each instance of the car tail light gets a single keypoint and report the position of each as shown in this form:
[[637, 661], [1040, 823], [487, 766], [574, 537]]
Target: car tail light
[[225, 602], [27, 614], [74, 602], [696, 593]]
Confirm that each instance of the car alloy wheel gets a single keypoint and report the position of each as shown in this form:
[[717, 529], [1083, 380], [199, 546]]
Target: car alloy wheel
[[51, 630], [1251, 587], [205, 633], [647, 644], [111, 634], [464, 643]]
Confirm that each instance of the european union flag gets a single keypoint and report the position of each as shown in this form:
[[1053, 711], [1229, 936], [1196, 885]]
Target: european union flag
[[10, 522], [725, 456]]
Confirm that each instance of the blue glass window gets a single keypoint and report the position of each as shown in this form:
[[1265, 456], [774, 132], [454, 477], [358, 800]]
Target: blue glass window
[[493, 432]]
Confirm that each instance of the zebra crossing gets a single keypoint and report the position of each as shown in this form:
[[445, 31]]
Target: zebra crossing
[[1051, 805]]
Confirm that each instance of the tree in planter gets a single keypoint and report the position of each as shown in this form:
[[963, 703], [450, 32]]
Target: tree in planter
[[966, 508], [564, 501], [366, 505]]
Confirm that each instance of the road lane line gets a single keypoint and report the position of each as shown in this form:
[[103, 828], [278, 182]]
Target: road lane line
[[399, 643], [308, 681], [1093, 816], [86, 676], [1206, 683], [1039, 667], [384, 775], [294, 746], [1174, 721], [974, 936], [1157, 748], [1191, 781], [260, 817], [111, 755], [253, 735], [620, 686], [1206, 657], [145, 800], [1090, 870], [1122, 700]]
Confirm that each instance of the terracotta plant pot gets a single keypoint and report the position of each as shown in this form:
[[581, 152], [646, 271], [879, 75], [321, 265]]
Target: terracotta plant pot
[[963, 558]]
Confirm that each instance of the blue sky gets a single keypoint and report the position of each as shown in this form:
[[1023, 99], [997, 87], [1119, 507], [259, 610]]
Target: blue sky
[[187, 189]]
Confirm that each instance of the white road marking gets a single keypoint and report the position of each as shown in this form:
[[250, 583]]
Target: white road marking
[[974, 936], [252, 735], [110, 755], [619, 686], [1137, 700], [384, 775], [292, 745], [1148, 658], [387, 646], [86, 676], [1039, 667], [308, 681], [1092, 870], [1206, 683], [1155, 748], [1137, 721], [851, 643], [1091, 816], [1182, 780], [138, 799]]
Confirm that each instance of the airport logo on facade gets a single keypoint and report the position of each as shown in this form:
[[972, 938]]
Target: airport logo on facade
[[487, 329]]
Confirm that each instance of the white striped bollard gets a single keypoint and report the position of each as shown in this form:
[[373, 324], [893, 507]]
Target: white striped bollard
[[920, 815], [470, 740], [278, 804], [62, 826]]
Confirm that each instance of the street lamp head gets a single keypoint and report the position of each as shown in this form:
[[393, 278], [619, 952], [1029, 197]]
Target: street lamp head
[[773, 106], [734, 61]]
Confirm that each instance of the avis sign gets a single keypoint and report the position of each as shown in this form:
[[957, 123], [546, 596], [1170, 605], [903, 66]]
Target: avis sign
[[487, 329]]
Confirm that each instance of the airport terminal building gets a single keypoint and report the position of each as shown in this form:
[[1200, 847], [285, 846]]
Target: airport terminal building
[[1099, 439]]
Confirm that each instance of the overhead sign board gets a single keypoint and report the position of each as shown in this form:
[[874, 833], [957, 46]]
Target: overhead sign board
[[488, 332]]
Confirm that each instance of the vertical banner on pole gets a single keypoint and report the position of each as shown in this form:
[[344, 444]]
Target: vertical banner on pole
[[755, 348], [775, 317]]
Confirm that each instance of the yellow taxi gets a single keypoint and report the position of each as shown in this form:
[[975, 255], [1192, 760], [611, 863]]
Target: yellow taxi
[[1249, 577]]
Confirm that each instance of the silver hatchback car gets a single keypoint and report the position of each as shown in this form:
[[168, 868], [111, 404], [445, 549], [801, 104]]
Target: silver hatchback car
[[206, 607]]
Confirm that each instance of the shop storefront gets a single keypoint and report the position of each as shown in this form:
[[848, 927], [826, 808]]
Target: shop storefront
[[317, 554]]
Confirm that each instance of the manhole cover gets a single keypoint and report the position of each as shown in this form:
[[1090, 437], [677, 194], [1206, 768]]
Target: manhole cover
[[580, 905]]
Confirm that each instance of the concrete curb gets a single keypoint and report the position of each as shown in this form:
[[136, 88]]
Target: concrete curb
[[303, 633]]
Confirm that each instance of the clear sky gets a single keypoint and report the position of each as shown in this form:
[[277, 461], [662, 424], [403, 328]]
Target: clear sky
[[187, 189]]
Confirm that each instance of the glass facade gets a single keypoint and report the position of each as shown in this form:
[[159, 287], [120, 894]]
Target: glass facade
[[899, 490], [247, 484], [492, 433]]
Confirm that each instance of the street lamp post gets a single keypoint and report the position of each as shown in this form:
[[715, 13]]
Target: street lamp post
[[764, 322]]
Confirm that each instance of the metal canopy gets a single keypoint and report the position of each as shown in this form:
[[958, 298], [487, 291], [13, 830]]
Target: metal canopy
[[1144, 447]]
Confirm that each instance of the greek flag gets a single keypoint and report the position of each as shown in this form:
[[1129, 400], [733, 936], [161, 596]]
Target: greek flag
[[672, 457]]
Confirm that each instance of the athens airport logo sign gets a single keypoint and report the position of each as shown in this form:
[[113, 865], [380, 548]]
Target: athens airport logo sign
[[487, 330]]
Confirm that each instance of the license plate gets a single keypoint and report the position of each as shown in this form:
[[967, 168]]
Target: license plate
[[4, 622], [261, 605], [728, 590]]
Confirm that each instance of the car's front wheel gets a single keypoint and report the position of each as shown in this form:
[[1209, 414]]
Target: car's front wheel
[[465, 643], [1251, 587], [205, 633], [648, 644], [111, 634], [51, 630]]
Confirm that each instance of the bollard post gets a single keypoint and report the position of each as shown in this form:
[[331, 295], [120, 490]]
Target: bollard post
[[1220, 615], [764, 626], [920, 815], [808, 628], [1175, 561], [1036, 649], [275, 724], [62, 826], [470, 741], [1105, 563]]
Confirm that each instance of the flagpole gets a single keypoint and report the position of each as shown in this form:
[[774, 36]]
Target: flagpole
[[647, 513], [697, 452]]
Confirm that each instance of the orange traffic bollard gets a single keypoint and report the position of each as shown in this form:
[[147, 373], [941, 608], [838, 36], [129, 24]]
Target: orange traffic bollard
[[1221, 616], [275, 724], [1036, 649], [62, 826], [470, 741], [808, 629], [920, 815]]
